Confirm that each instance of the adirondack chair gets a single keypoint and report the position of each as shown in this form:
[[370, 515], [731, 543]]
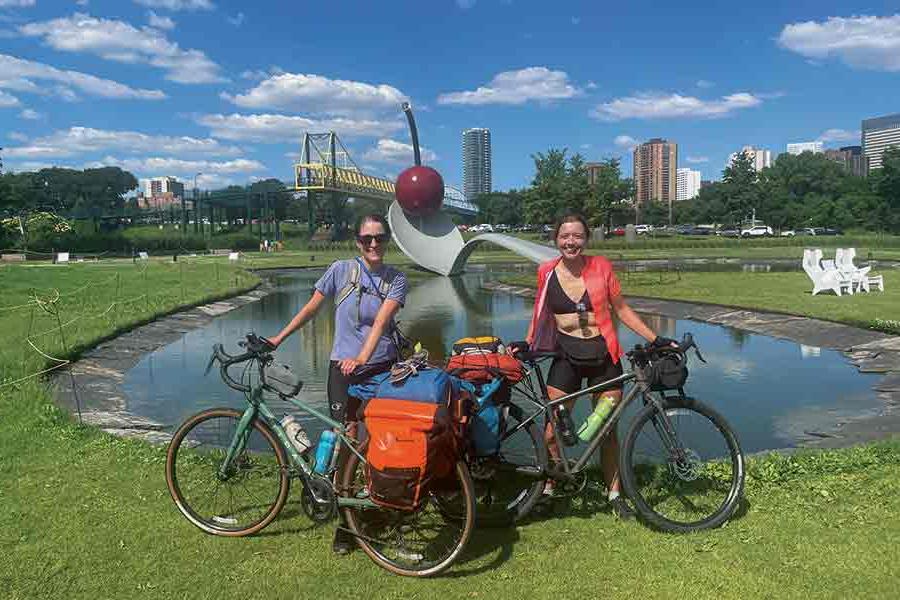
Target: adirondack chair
[[843, 260], [866, 281], [823, 278]]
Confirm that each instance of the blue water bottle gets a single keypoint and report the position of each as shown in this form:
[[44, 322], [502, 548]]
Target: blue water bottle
[[324, 451]]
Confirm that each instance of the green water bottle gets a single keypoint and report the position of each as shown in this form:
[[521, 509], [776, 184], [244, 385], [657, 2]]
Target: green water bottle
[[595, 419]]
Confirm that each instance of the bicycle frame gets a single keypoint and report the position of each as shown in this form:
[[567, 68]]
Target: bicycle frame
[[259, 409], [545, 407]]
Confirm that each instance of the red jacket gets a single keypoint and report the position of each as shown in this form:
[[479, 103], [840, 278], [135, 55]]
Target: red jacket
[[601, 284]]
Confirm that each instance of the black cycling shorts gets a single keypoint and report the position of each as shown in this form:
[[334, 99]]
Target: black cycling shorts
[[566, 376], [342, 407]]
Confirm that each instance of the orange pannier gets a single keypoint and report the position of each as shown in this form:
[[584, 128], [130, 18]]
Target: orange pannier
[[411, 445], [481, 367]]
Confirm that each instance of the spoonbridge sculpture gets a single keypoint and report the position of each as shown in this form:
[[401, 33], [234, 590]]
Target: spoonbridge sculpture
[[426, 234]]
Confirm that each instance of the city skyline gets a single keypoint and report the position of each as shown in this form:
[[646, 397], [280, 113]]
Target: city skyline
[[226, 91]]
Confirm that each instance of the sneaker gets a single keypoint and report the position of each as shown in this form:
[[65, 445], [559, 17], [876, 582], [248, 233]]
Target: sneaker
[[621, 509], [343, 542]]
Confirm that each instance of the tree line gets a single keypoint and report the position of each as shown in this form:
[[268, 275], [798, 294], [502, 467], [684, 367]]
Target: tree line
[[806, 190]]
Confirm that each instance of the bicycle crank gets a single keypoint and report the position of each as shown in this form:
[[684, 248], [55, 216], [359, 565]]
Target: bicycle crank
[[318, 501]]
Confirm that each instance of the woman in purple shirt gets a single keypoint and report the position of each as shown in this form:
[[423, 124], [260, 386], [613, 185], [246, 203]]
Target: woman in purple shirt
[[367, 294]]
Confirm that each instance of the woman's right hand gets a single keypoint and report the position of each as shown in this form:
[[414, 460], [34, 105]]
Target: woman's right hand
[[275, 340]]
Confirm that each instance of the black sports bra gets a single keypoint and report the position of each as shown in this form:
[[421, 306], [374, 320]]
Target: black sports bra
[[560, 303]]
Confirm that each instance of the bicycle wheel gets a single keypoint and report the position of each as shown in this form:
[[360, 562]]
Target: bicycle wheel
[[508, 485], [251, 491], [693, 484], [416, 543]]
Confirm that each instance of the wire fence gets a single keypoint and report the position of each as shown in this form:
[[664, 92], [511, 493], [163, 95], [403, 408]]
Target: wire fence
[[45, 328]]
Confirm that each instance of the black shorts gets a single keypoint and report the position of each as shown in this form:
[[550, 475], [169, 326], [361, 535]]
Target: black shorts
[[342, 407], [566, 376]]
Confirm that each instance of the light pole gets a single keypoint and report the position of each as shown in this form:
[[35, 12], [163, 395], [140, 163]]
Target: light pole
[[197, 222]]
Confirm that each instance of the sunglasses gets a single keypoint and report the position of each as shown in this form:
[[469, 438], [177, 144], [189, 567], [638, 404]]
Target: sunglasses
[[366, 240]]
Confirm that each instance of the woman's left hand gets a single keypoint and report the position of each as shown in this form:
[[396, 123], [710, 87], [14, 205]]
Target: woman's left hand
[[349, 365]]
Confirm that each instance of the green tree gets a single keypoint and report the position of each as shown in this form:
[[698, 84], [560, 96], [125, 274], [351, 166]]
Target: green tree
[[547, 194], [887, 184]]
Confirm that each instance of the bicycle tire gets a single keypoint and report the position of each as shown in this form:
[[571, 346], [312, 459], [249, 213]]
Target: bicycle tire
[[630, 479], [519, 501], [349, 485], [215, 524]]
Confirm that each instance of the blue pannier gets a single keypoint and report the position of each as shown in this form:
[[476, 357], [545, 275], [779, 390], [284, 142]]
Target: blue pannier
[[486, 426]]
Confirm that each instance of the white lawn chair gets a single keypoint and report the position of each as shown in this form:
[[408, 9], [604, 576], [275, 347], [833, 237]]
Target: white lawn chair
[[822, 278], [866, 281], [843, 261], [62, 257]]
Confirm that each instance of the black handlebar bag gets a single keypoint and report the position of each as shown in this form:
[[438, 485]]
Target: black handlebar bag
[[670, 372]]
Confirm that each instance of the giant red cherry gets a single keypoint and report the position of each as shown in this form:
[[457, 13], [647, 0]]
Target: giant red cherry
[[420, 191]]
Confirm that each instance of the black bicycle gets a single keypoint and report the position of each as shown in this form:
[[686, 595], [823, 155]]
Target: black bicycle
[[680, 462]]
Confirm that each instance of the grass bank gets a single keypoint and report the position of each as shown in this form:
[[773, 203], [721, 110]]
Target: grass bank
[[778, 292], [87, 515]]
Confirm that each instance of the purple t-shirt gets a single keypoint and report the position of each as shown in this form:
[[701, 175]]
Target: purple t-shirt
[[353, 321]]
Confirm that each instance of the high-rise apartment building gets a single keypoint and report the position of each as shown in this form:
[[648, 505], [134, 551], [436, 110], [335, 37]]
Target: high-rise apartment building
[[688, 184], [476, 147], [760, 157], [655, 177], [801, 147], [878, 135], [851, 158], [159, 186]]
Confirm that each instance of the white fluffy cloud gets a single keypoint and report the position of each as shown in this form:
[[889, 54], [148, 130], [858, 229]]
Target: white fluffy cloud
[[83, 140], [392, 151], [237, 20], [268, 128], [19, 74], [663, 106], [625, 141], [213, 173], [8, 100], [17, 136], [517, 87], [122, 42], [316, 94], [865, 42], [176, 5], [695, 160], [16, 3], [160, 22], [31, 115], [839, 135]]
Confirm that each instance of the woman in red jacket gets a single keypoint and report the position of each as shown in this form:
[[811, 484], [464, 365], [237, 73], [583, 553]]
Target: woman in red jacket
[[573, 317]]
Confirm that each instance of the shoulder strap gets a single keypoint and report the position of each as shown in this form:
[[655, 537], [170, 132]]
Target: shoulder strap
[[351, 285], [381, 289]]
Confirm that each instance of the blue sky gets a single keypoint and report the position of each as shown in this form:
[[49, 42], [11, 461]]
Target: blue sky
[[227, 88]]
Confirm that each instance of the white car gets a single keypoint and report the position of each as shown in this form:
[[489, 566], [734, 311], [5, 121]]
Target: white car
[[757, 231], [641, 229], [788, 233]]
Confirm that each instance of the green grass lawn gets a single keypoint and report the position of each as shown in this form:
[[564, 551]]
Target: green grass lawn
[[87, 515], [781, 292]]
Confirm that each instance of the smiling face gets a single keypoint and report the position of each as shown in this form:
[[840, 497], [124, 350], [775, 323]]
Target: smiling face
[[570, 239], [371, 241]]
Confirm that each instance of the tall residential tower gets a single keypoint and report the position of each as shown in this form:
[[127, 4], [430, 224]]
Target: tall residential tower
[[878, 135], [476, 146], [655, 178]]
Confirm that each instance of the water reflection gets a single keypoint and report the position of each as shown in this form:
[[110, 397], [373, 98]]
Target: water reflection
[[765, 387]]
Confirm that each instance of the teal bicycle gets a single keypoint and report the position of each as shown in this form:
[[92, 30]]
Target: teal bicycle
[[229, 473]]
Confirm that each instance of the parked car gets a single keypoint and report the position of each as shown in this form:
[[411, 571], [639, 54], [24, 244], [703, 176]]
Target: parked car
[[482, 228], [618, 231], [642, 229], [502, 227], [684, 229], [827, 231], [730, 232], [702, 230], [757, 231], [788, 233]]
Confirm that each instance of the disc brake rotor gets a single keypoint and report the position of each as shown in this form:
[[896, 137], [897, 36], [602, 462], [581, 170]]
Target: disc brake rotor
[[688, 467]]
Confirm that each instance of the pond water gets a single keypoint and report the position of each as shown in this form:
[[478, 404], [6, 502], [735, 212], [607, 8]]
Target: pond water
[[774, 392]]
